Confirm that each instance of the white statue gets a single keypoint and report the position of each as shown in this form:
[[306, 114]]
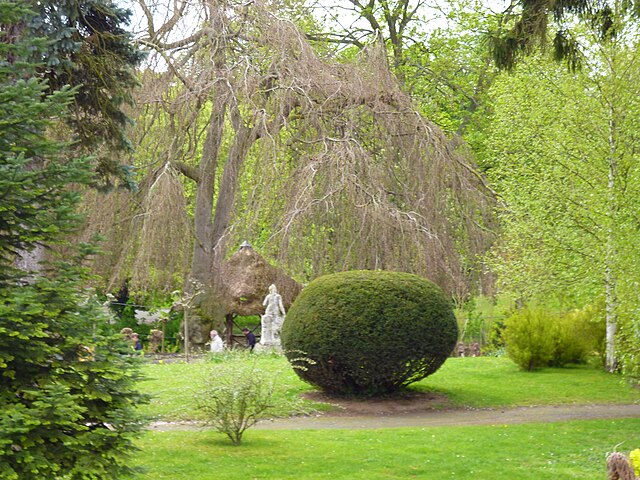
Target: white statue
[[272, 319], [216, 342]]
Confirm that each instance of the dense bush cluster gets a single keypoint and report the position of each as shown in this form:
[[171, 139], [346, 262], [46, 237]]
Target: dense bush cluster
[[537, 338], [369, 332]]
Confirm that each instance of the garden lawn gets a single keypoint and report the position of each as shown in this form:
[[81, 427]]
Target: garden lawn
[[555, 451], [473, 382], [172, 386], [498, 382]]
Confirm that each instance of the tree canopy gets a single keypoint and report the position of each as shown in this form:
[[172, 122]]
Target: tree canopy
[[526, 23]]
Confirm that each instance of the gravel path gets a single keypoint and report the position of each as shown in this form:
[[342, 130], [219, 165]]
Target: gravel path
[[438, 418]]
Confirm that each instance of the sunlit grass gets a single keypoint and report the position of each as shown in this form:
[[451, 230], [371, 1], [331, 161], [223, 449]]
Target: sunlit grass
[[568, 450], [498, 382], [528, 451], [473, 382], [172, 386]]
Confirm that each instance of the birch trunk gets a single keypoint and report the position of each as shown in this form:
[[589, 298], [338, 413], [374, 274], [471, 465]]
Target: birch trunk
[[610, 277]]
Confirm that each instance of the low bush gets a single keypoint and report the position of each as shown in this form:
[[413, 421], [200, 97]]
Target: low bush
[[234, 397], [529, 338], [579, 334], [369, 332], [537, 338]]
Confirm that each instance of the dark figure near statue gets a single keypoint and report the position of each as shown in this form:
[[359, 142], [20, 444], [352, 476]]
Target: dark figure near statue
[[251, 338]]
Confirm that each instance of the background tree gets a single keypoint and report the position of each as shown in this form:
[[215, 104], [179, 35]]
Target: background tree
[[328, 165], [66, 393], [89, 48], [565, 163], [524, 28]]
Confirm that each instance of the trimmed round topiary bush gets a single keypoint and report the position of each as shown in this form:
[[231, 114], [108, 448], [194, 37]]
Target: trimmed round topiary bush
[[369, 332]]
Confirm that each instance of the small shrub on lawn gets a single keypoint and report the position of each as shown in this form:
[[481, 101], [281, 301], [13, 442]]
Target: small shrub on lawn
[[236, 396], [579, 334], [529, 338]]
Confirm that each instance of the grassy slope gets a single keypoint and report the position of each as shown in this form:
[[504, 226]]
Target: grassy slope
[[535, 451]]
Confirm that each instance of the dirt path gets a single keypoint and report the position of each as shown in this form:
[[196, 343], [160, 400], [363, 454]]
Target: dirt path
[[437, 418]]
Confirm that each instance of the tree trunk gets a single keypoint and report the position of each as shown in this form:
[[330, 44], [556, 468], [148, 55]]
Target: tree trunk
[[203, 212], [610, 277]]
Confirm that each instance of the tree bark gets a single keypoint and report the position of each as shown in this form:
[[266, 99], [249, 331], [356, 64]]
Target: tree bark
[[611, 303]]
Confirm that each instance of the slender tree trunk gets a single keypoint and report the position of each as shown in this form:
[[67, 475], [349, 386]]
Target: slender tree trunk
[[611, 303]]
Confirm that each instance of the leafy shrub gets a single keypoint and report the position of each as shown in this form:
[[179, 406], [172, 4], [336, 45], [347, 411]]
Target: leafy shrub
[[236, 396], [369, 332], [578, 334], [529, 338], [495, 339], [537, 338]]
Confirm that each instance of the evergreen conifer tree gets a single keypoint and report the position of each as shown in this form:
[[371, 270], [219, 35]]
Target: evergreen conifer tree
[[67, 394]]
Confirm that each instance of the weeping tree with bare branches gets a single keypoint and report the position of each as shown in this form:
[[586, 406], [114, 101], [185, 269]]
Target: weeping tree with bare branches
[[326, 166]]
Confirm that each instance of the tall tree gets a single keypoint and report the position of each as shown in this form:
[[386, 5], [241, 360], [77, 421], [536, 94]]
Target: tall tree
[[66, 393], [336, 167], [570, 139], [89, 48]]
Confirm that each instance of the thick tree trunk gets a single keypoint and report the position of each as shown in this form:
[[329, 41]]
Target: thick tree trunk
[[211, 229], [244, 139], [206, 189]]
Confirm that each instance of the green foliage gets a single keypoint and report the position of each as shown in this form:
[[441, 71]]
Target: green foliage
[[580, 334], [34, 208], [67, 394], [537, 338], [526, 28], [529, 338], [236, 397], [88, 48], [562, 158], [629, 353], [369, 332], [481, 319]]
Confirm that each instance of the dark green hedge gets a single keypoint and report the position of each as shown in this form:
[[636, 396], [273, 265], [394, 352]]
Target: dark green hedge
[[369, 332]]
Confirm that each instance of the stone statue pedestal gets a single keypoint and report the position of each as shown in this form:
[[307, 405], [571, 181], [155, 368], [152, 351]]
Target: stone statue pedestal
[[268, 347]]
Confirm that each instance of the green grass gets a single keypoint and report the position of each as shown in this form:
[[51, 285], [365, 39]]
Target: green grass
[[474, 382], [172, 386], [498, 382], [530, 451], [568, 450]]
